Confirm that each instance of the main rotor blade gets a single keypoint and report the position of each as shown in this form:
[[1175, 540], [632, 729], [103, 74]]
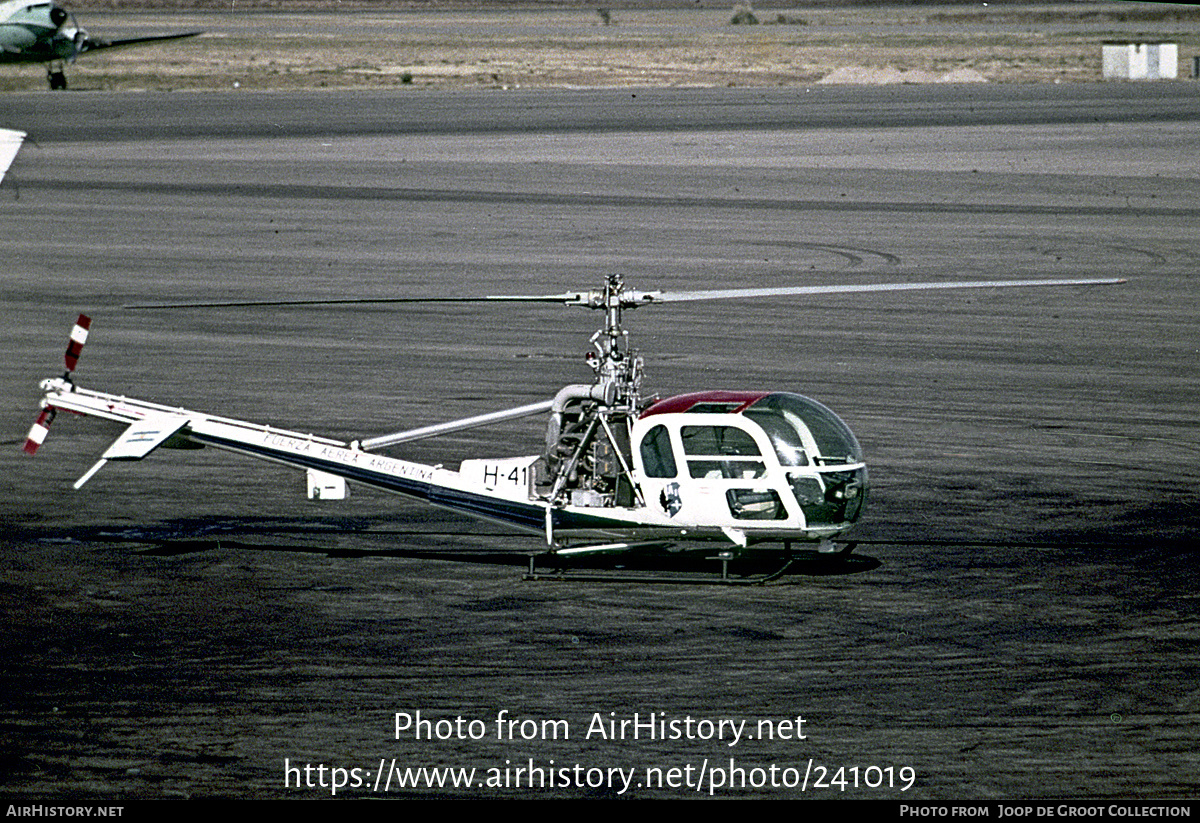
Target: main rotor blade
[[632, 299], [786, 291], [571, 297]]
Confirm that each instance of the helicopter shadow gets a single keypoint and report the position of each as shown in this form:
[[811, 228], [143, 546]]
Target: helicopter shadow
[[653, 566], [369, 539]]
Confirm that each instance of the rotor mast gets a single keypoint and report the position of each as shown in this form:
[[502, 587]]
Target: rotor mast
[[618, 368], [588, 435]]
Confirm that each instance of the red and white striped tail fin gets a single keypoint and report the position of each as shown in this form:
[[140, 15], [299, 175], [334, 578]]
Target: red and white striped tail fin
[[79, 336], [37, 434]]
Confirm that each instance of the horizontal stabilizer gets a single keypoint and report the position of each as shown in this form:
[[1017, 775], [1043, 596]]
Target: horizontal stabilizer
[[137, 441], [144, 436]]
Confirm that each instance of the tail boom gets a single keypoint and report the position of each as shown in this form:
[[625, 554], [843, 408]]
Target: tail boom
[[151, 425]]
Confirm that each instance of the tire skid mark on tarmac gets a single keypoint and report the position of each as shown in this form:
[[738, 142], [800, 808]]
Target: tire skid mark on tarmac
[[281, 191], [855, 256], [1152, 257], [1067, 246]]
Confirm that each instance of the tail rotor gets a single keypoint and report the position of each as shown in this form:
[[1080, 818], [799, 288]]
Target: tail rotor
[[41, 426]]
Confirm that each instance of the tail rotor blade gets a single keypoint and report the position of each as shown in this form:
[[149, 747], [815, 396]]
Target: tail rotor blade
[[37, 434], [79, 336]]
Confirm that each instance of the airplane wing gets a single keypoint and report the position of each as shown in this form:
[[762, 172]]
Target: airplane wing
[[96, 43], [10, 143]]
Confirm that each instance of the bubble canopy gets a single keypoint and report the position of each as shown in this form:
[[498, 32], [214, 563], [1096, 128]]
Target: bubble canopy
[[792, 420], [803, 431]]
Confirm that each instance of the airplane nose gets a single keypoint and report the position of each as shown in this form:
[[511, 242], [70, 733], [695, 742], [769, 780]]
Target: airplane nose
[[58, 16]]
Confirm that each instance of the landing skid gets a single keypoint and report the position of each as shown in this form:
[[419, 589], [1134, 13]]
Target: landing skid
[[724, 579], [560, 573]]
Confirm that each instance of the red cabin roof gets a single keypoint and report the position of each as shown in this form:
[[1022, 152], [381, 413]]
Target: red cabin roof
[[711, 401]]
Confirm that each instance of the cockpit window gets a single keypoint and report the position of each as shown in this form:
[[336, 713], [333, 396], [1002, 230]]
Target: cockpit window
[[789, 446], [718, 440], [713, 408], [727, 469], [804, 431], [724, 452], [657, 457]]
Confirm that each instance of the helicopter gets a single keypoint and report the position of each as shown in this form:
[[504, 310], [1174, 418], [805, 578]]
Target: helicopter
[[730, 471]]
